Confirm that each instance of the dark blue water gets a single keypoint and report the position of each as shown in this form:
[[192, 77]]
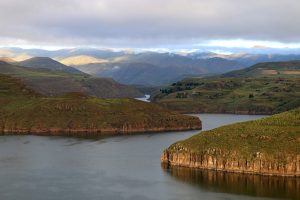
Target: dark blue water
[[117, 168]]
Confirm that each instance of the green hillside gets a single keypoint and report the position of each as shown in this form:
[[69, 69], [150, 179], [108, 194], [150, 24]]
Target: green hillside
[[242, 91], [279, 133], [24, 111], [289, 68], [54, 82], [48, 63]]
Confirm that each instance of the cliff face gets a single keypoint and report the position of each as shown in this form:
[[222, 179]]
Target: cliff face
[[191, 124], [231, 163], [269, 146]]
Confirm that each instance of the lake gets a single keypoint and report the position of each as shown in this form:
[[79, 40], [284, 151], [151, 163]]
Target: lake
[[121, 168], [145, 98]]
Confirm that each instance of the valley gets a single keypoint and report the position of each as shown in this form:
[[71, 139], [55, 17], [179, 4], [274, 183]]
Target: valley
[[149, 100]]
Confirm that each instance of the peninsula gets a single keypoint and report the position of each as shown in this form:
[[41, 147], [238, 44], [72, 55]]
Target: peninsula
[[269, 146], [23, 111]]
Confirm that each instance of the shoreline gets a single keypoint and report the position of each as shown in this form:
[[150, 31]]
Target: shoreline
[[95, 132], [234, 165], [165, 166], [229, 113], [268, 146]]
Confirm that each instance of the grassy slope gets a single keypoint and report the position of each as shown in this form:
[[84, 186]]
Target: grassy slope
[[233, 95], [290, 68], [51, 82], [47, 63], [231, 92], [274, 136], [19, 71], [24, 110]]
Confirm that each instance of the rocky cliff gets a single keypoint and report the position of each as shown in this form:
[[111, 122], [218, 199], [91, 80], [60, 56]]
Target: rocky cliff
[[269, 146], [216, 160], [87, 130]]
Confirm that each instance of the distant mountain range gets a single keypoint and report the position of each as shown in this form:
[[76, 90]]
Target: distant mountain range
[[157, 69], [246, 59], [143, 68]]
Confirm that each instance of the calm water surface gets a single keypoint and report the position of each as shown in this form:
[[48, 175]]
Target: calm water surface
[[145, 98], [121, 167]]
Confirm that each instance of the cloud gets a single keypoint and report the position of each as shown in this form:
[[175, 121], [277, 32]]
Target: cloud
[[146, 23]]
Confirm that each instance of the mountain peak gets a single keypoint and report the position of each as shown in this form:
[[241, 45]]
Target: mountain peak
[[47, 63]]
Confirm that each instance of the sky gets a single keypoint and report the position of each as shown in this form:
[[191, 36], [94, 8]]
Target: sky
[[169, 24]]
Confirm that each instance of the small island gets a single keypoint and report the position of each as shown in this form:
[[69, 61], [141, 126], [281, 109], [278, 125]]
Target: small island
[[23, 111], [269, 146]]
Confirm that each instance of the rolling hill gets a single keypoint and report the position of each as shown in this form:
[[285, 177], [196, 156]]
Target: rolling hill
[[156, 68], [23, 111], [151, 68], [288, 68], [7, 59], [254, 90], [81, 60], [47, 63], [53, 82]]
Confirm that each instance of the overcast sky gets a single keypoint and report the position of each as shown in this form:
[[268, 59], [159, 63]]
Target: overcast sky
[[149, 23]]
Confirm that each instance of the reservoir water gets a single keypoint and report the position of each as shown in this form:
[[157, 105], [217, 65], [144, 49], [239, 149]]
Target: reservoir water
[[145, 98], [121, 168]]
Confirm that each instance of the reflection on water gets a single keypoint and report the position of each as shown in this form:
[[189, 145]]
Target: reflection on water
[[241, 184]]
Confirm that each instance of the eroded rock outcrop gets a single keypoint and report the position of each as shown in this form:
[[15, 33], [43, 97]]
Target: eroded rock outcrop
[[231, 162]]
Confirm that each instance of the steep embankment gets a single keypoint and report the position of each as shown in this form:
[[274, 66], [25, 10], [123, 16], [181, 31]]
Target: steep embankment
[[23, 111], [269, 146]]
